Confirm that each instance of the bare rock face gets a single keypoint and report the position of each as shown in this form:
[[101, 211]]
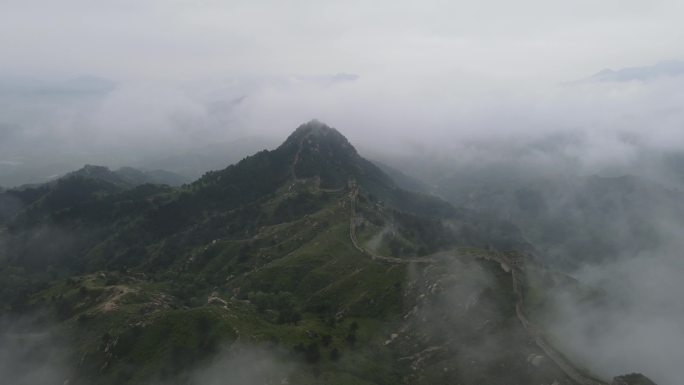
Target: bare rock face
[[632, 379]]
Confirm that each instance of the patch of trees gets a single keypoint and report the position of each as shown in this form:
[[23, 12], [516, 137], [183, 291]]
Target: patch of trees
[[246, 181], [351, 335], [282, 302], [422, 236], [311, 352], [301, 204]]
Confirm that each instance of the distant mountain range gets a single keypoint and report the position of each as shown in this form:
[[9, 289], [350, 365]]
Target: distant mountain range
[[173, 169], [672, 68]]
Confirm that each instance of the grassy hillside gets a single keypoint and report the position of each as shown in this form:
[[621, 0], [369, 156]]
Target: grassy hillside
[[306, 261]]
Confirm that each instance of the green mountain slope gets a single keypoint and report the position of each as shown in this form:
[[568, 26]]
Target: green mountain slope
[[306, 257]]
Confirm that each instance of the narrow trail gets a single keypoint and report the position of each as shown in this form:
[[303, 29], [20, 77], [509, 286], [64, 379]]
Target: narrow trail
[[354, 191], [574, 373], [295, 160], [298, 180], [570, 370]]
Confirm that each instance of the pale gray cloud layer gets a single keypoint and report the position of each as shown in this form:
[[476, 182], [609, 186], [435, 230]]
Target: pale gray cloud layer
[[436, 64], [445, 65], [500, 39]]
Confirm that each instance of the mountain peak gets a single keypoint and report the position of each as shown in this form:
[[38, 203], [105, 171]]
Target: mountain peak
[[318, 150], [315, 131], [314, 152], [315, 125], [96, 172], [125, 176]]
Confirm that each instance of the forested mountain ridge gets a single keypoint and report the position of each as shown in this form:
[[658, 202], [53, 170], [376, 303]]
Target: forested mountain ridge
[[307, 256]]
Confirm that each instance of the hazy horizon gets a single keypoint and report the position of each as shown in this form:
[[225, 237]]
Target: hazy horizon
[[113, 81]]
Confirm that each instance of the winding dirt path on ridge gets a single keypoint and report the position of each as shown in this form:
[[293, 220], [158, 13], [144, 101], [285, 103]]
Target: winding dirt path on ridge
[[295, 160], [354, 191], [570, 370]]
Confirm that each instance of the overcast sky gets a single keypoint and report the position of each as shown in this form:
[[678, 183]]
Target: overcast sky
[[441, 41], [187, 71]]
